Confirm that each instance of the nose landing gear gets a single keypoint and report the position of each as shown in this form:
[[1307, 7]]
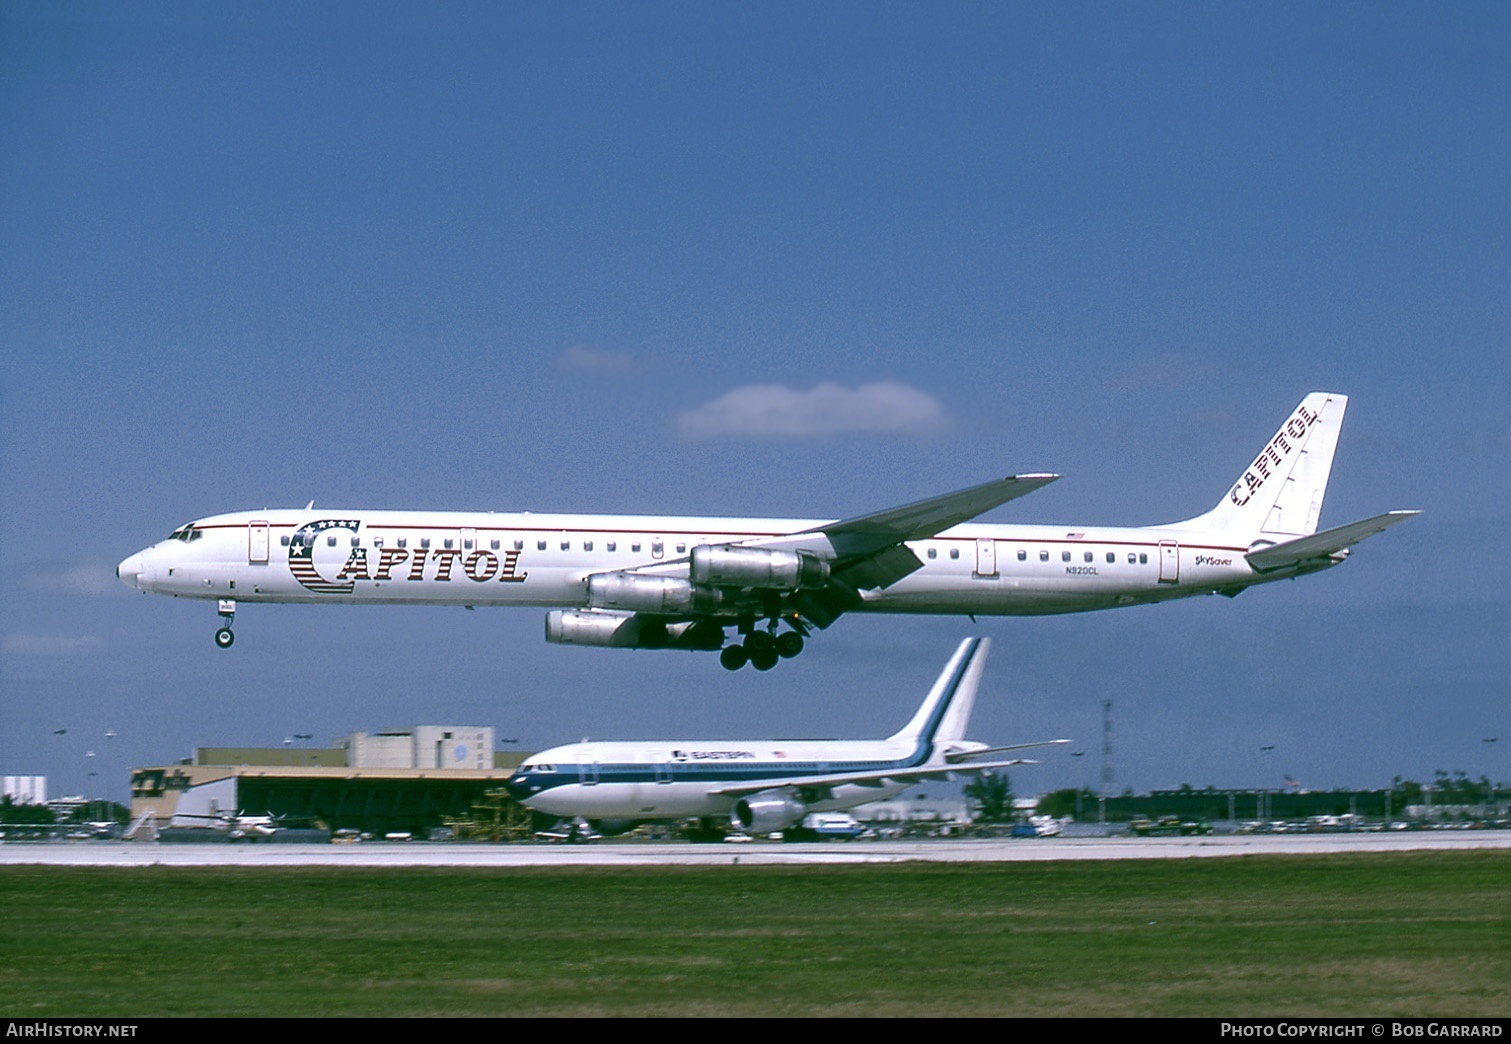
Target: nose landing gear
[[224, 637]]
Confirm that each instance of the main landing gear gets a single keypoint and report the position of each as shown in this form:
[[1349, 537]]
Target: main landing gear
[[761, 650], [224, 637]]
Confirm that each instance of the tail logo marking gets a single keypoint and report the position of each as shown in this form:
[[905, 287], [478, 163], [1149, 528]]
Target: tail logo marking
[[1274, 454]]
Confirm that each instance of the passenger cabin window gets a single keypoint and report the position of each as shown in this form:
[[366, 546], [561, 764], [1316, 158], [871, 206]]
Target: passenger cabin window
[[587, 545], [424, 541], [657, 547], [1065, 556], [1044, 556], [1111, 557], [467, 544], [635, 547], [1023, 556], [540, 545], [566, 545], [356, 542], [1132, 558], [493, 545], [1143, 559], [681, 549], [377, 541], [611, 546], [954, 552], [403, 541], [933, 553], [284, 540], [448, 543], [1086, 556], [330, 541]]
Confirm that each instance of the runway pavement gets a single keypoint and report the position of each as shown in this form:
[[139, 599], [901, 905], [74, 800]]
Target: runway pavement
[[642, 853]]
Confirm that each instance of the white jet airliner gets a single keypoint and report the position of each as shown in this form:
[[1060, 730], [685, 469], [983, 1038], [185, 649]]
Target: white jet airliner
[[653, 582], [762, 786]]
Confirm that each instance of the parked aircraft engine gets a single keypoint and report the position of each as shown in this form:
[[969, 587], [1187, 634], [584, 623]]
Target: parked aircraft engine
[[627, 631], [767, 812], [650, 594], [757, 567], [614, 827]]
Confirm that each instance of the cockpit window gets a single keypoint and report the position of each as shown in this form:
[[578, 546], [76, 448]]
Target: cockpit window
[[186, 533]]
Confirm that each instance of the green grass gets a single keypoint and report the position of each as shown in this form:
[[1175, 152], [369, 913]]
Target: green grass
[[1401, 934]]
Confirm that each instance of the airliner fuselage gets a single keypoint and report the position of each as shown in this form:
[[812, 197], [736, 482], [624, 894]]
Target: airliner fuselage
[[480, 559]]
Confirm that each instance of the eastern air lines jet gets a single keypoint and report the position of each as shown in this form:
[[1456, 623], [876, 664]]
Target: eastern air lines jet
[[763, 786], [654, 582]]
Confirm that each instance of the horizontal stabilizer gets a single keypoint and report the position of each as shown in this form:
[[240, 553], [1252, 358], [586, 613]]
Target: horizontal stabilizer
[[1324, 544], [965, 756]]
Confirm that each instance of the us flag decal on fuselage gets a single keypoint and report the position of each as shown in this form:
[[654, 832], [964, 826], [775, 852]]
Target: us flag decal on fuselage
[[301, 555]]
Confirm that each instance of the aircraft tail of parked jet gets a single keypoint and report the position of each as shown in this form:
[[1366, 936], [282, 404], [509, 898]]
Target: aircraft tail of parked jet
[[946, 711]]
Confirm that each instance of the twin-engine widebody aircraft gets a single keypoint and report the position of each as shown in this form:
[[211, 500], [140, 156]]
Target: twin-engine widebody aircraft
[[652, 582], [762, 786]]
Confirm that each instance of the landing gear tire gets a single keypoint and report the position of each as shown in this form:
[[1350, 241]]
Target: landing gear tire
[[224, 638], [758, 643], [733, 657], [789, 644], [764, 660]]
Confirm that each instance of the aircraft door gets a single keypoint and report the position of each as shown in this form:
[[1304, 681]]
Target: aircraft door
[[986, 558], [257, 542], [1169, 562], [587, 773]]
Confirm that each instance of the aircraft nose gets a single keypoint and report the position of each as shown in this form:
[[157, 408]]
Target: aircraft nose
[[130, 571], [518, 787]]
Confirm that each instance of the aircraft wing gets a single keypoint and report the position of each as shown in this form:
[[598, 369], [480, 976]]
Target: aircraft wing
[[878, 778], [871, 552], [1324, 544], [867, 534]]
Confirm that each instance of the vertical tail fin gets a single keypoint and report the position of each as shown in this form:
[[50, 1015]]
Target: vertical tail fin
[[946, 711], [1279, 496]]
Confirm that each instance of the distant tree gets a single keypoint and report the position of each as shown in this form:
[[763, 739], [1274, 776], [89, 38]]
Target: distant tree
[[993, 795], [10, 812]]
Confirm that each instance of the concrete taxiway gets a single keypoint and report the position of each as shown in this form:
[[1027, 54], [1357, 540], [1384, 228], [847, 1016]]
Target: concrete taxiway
[[640, 853]]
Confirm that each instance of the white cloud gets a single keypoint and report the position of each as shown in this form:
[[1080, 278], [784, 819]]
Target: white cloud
[[582, 359], [92, 578], [50, 645], [772, 409]]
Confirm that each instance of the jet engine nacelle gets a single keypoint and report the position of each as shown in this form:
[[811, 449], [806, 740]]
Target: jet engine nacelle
[[757, 567], [627, 631], [650, 594], [614, 827], [767, 812]]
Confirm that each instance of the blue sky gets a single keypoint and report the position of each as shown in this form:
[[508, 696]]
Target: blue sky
[[786, 259]]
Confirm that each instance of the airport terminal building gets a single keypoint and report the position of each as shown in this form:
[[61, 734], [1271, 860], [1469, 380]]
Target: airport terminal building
[[397, 781]]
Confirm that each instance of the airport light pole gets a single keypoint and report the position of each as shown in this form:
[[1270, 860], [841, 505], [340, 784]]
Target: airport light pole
[[109, 771], [90, 774]]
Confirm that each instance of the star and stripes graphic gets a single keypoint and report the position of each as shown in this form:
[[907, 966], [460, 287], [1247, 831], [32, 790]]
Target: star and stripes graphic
[[301, 555]]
